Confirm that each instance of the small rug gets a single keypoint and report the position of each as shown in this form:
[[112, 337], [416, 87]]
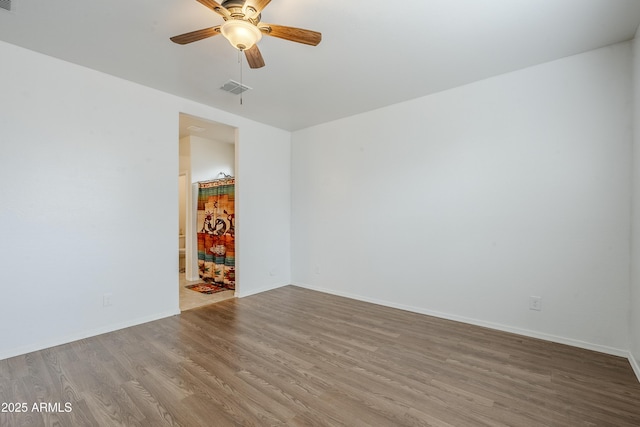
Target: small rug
[[206, 288]]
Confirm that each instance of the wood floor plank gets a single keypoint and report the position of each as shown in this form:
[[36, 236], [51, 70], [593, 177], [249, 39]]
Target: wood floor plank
[[153, 413], [295, 357]]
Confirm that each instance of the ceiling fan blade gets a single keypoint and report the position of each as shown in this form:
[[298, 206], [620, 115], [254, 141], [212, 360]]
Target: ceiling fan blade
[[254, 57], [194, 36], [256, 5], [216, 7], [298, 35]]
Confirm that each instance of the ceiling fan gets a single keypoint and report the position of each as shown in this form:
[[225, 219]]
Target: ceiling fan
[[243, 29]]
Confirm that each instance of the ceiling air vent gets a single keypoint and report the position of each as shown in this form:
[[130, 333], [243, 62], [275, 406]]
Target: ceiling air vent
[[234, 87], [5, 4], [194, 128]]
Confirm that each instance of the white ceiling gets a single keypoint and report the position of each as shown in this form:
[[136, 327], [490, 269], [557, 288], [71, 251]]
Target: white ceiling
[[373, 53], [195, 126]]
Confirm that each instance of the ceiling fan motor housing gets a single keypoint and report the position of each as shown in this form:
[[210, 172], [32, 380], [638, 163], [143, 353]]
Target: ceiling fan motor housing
[[237, 11]]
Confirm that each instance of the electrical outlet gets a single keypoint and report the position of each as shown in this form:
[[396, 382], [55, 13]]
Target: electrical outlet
[[535, 303], [106, 300]]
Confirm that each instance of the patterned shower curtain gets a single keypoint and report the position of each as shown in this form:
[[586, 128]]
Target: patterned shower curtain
[[216, 232]]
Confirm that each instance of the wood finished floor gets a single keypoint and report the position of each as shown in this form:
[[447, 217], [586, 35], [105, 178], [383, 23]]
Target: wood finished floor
[[301, 358]]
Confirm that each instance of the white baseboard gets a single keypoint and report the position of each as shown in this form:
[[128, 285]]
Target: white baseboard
[[497, 326], [634, 365], [5, 354]]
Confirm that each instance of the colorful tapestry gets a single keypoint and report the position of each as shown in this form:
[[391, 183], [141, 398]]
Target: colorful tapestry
[[216, 232]]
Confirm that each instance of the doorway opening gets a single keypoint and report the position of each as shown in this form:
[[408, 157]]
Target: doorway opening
[[207, 151]]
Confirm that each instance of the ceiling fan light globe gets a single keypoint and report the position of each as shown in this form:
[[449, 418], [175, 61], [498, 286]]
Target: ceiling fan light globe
[[241, 34]]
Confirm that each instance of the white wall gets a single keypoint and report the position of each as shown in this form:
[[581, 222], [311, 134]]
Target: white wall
[[209, 158], [634, 301], [184, 183], [263, 210], [465, 203], [88, 190], [185, 154]]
